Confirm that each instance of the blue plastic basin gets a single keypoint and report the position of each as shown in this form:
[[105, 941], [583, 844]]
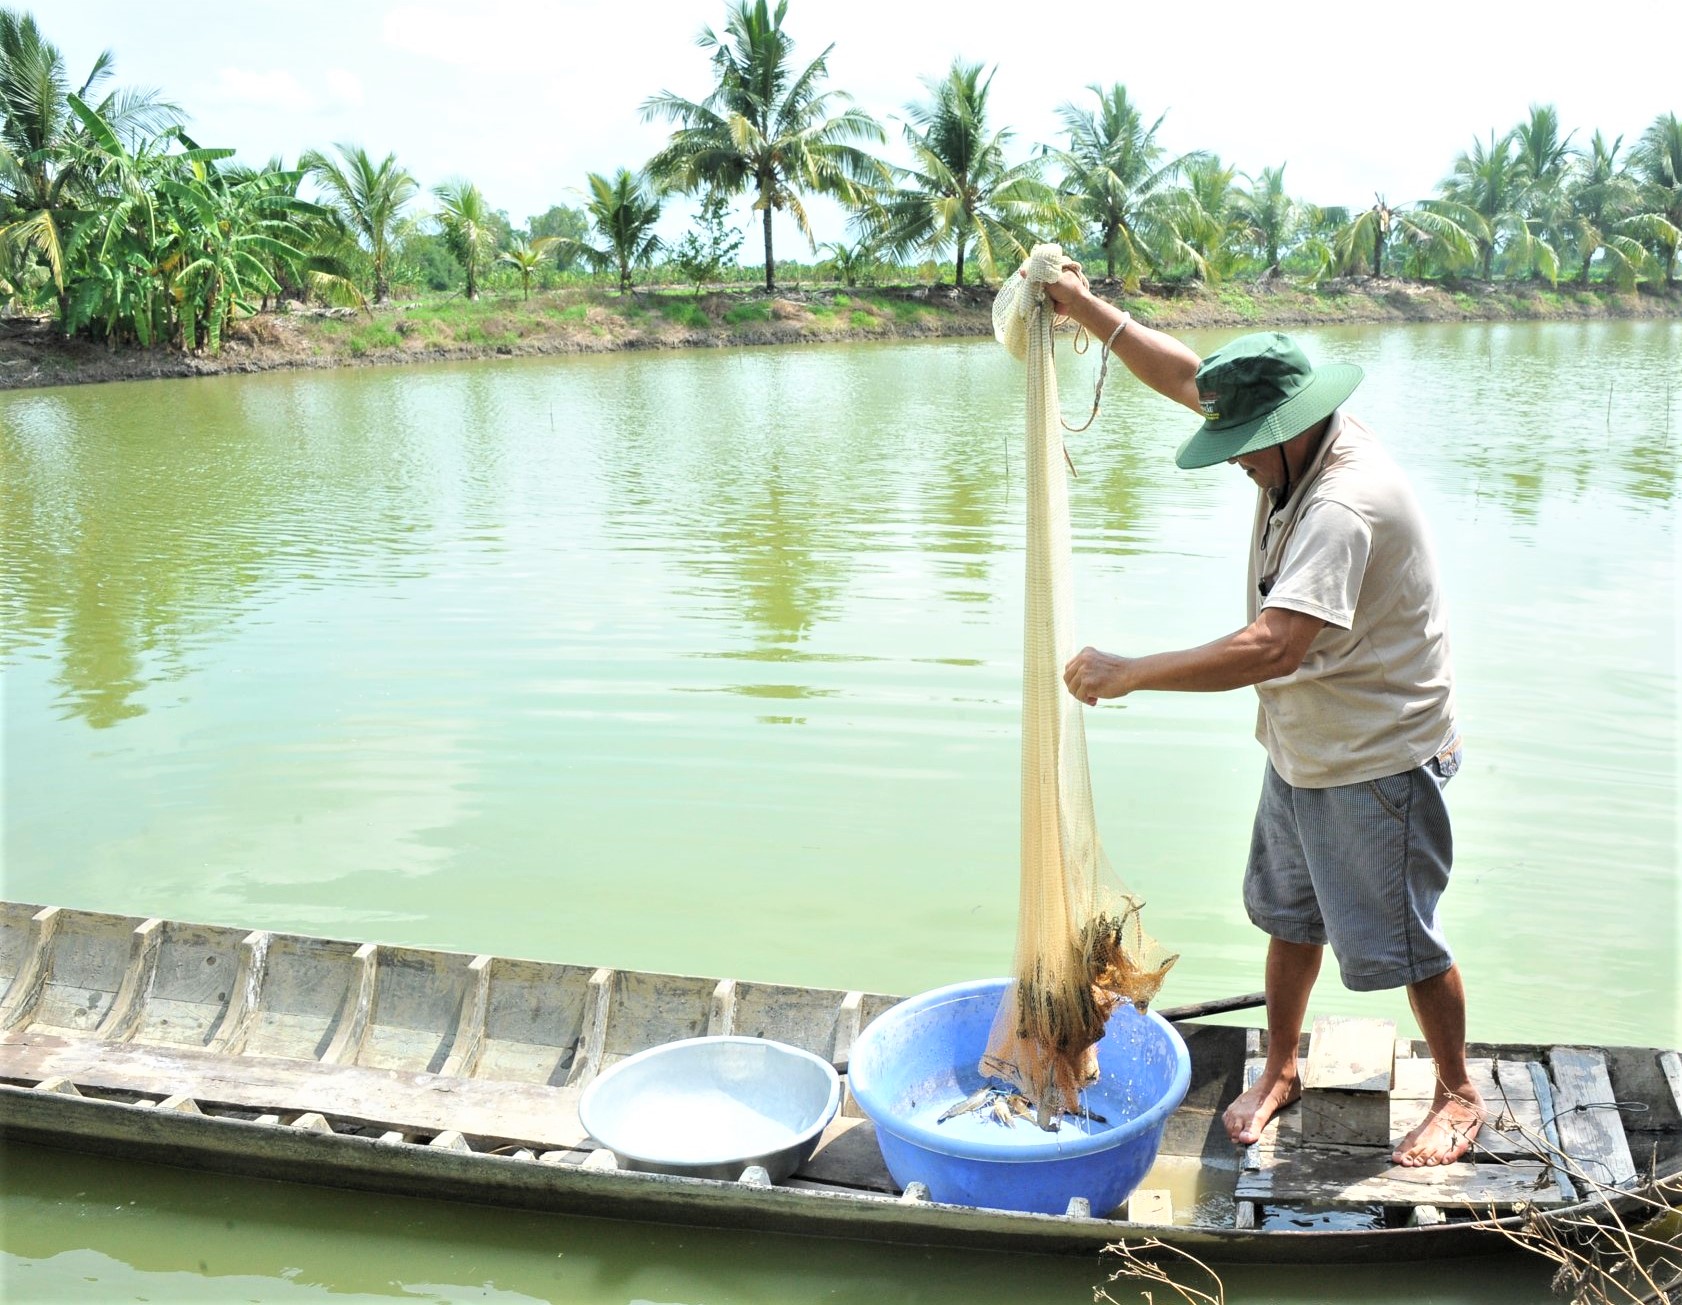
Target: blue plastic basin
[[919, 1058]]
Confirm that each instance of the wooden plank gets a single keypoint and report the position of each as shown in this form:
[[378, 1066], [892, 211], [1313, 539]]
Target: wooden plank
[[848, 1025], [470, 1025], [1515, 1120], [1328, 1177], [1543, 1088], [1513, 1123], [17, 930], [1346, 1082], [1670, 1064], [1337, 1118], [1591, 1133], [229, 1037], [848, 1156], [721, 1014], [421, 1103], [1150, 1205], [124, 1015], [351, 1027], [1350, 1055], [25, 992], [599, 1010]]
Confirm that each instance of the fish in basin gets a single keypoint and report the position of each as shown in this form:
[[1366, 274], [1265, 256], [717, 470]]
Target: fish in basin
[[1005, 1105]]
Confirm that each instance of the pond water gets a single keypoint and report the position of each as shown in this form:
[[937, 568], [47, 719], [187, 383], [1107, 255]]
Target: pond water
[[709, 662]]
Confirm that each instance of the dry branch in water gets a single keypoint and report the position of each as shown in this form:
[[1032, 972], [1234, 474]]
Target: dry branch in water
[[1604, 1257], [1137, 1266]]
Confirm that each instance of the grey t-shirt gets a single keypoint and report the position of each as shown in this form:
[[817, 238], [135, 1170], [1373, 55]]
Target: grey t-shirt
[[1375, 694]]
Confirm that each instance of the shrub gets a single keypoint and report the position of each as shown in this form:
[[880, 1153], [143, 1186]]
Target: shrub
[[758, 311], [686, 313]]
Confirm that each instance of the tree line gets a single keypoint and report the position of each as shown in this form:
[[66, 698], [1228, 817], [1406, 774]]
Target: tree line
[[131, 231]]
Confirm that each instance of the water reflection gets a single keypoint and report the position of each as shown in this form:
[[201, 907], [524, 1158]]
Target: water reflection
[[212, 1238], [1525, 412]]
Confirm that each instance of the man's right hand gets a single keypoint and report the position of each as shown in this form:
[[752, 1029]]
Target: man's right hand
[[1068, 290]]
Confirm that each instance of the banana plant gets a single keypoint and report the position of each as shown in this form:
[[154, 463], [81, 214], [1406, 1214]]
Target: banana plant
[[226, 231]]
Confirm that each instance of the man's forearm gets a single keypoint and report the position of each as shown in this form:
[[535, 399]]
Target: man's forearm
[[1271, 646], [1156, 358], [1234, 662]]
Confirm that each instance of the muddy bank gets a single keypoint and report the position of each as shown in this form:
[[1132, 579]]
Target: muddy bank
[[594, 321]]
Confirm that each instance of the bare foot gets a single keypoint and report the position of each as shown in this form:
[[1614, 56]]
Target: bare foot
[[1246, 1117], [1447, 1133]]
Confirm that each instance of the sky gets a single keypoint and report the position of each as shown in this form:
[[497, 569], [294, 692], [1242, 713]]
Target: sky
[[527, 97]]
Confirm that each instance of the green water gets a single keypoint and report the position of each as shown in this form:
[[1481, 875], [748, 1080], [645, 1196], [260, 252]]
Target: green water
[[709, 662]]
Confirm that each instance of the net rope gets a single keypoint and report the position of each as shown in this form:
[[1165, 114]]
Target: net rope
[[1081, 946]]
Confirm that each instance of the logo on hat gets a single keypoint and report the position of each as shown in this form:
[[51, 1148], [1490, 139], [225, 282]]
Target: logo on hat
[[1206, 400]]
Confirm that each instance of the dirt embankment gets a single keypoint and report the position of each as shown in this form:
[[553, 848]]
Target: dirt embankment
[[32, 353]]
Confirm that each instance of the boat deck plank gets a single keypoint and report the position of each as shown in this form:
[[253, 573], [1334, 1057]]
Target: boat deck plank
[[848, 1156], [423, 1103], [1507, 1165], [1590, 1130]]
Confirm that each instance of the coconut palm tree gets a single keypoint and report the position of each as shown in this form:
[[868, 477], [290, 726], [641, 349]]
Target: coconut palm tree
[[850, 262], [526, 257], [1488, 181], [1543, 159], [467, 224], [1267, 215], [370, 198], [623, 212], [1603, 197], [960, 192], [43, 177], [1440, 232], [1117, 181], [1206, 218], [1657, 162], [766, 127]]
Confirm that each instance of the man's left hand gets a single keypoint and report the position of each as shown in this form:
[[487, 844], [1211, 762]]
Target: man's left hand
[[1091, 675]]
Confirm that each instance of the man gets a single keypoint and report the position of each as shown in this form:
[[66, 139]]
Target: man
[[1347, 648]]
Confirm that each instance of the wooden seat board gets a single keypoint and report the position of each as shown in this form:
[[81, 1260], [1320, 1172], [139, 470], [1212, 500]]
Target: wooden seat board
[[1331, 1176], [1591, 1131], [410, 1102]]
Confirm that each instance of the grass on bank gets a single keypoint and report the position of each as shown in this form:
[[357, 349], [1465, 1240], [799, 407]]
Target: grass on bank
[[596, 317]]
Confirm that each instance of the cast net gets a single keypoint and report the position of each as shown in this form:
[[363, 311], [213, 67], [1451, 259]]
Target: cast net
[[1081, 945]]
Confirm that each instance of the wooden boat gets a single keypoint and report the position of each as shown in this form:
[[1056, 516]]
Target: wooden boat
[[455, 1076]]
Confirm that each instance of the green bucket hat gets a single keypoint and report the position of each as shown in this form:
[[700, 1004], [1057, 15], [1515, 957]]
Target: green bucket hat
[[1258, 391]]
